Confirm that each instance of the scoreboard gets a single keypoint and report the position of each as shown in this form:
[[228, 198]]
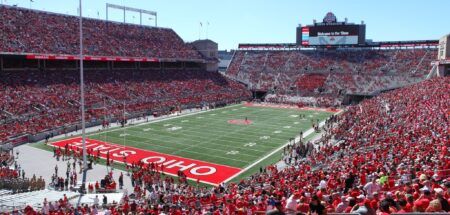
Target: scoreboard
[[331, 33]]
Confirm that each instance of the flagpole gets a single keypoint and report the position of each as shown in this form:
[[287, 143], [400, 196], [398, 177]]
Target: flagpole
[[83, 123]]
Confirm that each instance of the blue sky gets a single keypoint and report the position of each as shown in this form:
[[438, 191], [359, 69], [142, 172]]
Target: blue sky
[[271, 21]]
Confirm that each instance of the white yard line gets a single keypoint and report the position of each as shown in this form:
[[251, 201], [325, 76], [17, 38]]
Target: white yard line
[[172, 148], [207, 125], [177, 143], [167, 117], [202, 133], [215, 138], [297, 138]]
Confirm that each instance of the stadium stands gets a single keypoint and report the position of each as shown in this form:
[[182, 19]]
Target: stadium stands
[[33, 101], [29, 31], [354, 71], [346, 169], [36, 101], [387, 155]]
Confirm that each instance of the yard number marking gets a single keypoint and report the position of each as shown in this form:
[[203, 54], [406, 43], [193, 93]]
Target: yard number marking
[[174, 128], [264, 137], [249, 144], [232, 152]]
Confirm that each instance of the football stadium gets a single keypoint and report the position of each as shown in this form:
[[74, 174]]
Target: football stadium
[[99, 116]]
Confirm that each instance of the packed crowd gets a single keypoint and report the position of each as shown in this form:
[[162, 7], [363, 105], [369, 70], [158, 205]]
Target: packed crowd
[[328, 72], [386, 155], [36, 101], [29, 31]]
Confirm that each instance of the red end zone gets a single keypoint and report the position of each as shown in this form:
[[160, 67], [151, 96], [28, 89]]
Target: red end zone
[[194, 169]]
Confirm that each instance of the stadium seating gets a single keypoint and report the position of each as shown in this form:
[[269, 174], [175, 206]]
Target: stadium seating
[[354, 71], [311, 82], [37, 101], [28, 31], [414, 125], [387, 155]]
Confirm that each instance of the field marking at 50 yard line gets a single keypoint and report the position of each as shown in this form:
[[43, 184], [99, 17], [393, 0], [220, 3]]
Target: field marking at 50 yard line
[[297, 138]]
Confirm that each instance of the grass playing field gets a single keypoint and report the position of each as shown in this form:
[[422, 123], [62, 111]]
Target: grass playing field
[[221, 136]]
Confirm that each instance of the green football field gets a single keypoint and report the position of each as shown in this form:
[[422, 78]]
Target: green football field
[[209, 136]]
